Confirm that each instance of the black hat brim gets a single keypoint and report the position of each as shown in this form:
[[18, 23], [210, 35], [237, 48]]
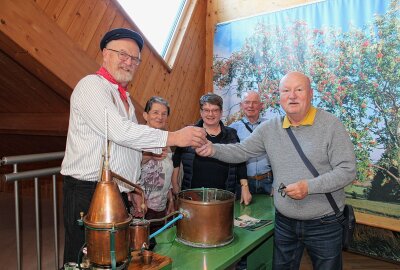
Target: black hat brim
[[119, 33]]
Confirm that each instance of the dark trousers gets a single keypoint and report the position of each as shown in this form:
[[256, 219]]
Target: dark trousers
[[321, 237], [151, 214], [77, 197]]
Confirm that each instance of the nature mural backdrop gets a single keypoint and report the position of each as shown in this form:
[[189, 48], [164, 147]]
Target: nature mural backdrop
[[351, 51]]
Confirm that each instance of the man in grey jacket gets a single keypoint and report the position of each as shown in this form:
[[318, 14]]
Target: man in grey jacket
[[304, 218]]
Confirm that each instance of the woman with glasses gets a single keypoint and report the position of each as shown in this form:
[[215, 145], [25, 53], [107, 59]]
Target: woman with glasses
[[207, 172], [156, 172]]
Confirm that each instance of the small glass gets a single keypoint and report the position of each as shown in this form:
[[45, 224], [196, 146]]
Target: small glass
[[70, 266], [147, 256]]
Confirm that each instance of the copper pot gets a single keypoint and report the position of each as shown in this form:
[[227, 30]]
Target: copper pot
[[107, 223], [139, 231], [208, 217]]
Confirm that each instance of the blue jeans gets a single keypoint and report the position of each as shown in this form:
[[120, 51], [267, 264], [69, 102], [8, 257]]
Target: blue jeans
[[263, 186], [321, 237]]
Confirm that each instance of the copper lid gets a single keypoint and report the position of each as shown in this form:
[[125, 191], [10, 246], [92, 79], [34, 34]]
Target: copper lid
[[107, 208]]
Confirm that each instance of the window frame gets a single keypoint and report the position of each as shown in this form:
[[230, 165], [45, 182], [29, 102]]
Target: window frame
[[175, 38]]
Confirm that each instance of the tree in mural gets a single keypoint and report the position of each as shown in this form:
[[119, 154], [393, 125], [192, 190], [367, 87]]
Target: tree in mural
[[355, 75]]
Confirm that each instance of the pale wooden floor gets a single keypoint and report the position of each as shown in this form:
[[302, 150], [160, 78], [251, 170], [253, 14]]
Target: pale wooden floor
[[28, 246]]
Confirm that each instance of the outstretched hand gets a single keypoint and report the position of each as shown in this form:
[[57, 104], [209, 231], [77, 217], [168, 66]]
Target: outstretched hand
[[206, 150], [187, 136]]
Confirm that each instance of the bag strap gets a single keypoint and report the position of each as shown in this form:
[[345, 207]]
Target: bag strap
[[311, 168], [247, 126]]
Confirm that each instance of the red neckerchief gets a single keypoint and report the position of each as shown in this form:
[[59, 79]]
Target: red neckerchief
[[122, 90]]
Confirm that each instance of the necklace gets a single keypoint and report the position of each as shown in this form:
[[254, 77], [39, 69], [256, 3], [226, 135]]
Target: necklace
[[212, 135]]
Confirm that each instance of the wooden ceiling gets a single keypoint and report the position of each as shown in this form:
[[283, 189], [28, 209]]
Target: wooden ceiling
[[24, 92], [28, 105], [39, 65]]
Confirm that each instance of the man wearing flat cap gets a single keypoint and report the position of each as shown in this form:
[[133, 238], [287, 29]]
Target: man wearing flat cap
[[93, 95]]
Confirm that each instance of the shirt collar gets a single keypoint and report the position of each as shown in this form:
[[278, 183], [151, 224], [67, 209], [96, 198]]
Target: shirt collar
[[246, 120], [307, 121]]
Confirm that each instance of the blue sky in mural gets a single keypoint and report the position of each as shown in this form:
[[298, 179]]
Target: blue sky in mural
[[229, 37]]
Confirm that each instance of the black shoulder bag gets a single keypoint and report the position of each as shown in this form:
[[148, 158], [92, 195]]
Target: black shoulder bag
[[247, 126], [348, 220]]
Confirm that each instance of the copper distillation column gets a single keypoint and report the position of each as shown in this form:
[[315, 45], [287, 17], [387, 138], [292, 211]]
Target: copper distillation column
[[107, 221]]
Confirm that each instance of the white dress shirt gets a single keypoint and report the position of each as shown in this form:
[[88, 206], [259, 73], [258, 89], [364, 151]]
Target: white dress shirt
[[86, 133]]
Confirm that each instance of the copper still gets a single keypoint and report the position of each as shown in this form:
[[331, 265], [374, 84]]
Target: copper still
[[208, 218], [107, 223]]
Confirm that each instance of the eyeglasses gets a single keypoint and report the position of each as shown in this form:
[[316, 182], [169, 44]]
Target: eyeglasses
[[213, 111], [157, 113], [281, 190], [123, 56], [248, 103]]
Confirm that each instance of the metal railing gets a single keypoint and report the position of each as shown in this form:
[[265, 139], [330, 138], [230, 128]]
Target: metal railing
[[15, 177]]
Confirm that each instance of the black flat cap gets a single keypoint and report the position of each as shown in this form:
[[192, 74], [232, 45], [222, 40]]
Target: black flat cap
[[119, 33]]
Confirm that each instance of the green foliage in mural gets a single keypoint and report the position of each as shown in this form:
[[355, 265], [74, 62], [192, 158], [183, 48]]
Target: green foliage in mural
[[355, 75]]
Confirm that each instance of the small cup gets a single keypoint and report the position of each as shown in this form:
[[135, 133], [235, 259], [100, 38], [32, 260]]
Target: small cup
[[147, 256], [139, 231], [70, 266], [136, 257]]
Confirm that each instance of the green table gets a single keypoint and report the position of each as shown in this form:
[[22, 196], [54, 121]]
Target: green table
[[258, 245]]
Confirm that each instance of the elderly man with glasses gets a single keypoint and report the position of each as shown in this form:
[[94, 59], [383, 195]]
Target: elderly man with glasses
[[304, 217], [259, 173], [93, 95]]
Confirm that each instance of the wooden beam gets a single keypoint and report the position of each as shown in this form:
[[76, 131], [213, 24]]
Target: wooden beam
[[378, 221], [38, 43], [34, 123]]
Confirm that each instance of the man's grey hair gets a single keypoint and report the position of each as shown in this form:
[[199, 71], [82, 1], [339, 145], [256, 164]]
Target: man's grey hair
[[245, 94]]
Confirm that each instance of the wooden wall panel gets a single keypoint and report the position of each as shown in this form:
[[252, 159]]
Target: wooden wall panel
[[54, 8], [105, 23], [68, 13], [191, 68], [42, 3], [141, 75], [82, 16], [86, 34]]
